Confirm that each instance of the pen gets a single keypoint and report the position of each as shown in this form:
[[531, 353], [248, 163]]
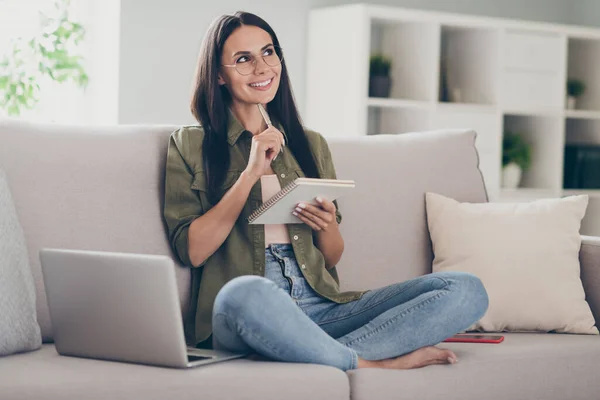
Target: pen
[[265, 116]]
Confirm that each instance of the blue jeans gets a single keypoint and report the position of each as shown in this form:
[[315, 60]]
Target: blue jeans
[[281, 317]]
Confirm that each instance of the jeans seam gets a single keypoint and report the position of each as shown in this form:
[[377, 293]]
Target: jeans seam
[[371, 307], [242, 327], [344, 317], [391, 320], [354, 363]]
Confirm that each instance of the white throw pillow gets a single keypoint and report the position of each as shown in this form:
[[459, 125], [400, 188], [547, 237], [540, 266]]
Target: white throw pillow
[[526, 255], [19, 330]]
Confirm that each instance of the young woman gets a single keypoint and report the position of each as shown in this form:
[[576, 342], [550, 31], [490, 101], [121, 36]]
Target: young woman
[[273, 290]]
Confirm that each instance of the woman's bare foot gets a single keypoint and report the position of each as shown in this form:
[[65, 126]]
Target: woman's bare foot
[[417, 359]]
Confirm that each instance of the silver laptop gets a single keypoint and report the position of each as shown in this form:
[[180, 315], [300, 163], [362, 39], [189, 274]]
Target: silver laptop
[[119, 307]]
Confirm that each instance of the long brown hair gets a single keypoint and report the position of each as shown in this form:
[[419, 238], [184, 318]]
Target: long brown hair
[[210, 103]]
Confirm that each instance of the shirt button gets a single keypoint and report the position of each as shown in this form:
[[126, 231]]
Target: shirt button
[[303, 266], [283, 175], [295, 237]]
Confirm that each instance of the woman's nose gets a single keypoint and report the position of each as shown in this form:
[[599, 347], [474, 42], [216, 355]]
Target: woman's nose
[[260, 66]]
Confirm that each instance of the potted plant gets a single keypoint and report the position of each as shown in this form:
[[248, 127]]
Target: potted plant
[[516, 158], [380, 81], [53, 54], [575, 88]]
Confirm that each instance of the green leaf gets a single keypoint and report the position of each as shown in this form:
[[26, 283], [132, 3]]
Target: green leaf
[[13, 110], [83, 80], [51, 52]]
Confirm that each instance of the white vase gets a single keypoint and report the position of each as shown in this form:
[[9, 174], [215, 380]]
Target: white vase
[[511, 176], [571, 102], [456, 96]]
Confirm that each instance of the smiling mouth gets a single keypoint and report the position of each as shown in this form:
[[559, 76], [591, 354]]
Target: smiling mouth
[[261, 84]]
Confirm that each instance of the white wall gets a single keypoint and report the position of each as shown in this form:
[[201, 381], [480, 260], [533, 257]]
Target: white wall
[[102, 56], [586, 12], [160, 41], [159, 47]]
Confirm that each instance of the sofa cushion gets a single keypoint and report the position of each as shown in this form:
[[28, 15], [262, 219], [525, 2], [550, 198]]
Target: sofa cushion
[[19, 330], [526, 255], [46, 375], [525, 366], [589, 258], [88, 188], [384, 225]]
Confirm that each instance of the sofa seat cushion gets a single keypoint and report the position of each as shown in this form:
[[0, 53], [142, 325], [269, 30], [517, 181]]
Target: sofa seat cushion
[[525, 366], [44, 374]]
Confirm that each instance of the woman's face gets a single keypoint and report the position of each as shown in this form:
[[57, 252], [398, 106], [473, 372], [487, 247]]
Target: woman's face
[[245, 44]]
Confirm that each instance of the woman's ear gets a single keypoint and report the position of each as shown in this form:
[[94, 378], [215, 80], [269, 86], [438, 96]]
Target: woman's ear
[[220, 80]]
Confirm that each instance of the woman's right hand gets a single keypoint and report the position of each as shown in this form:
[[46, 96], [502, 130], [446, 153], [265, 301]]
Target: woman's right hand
[[265, 148]]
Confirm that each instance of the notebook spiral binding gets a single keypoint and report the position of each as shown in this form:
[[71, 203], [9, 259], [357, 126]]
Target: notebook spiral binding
[[269, 203]]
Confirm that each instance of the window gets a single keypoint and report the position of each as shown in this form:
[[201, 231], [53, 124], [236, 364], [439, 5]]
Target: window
[[66, 102]]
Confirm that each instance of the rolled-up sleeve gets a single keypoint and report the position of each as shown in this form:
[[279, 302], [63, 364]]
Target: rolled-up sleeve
[[182, 203], [328, 172]]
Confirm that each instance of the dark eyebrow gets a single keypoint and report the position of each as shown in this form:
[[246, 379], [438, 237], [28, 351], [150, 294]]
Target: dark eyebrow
[[247, 52]]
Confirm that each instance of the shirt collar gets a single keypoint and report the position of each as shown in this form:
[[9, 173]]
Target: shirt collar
[[235, 129]]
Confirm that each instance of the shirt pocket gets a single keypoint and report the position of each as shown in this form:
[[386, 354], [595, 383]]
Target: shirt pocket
[[200, 184]]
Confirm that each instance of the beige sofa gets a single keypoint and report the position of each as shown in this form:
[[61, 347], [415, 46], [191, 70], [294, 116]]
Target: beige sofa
[[101, 188]]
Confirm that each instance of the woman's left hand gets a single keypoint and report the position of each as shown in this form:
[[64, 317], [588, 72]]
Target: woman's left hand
[[319, 217]]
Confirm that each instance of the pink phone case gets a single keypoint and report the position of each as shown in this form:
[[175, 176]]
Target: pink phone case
[[475, 338]]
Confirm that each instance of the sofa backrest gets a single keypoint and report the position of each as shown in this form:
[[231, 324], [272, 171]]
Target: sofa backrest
[[92, 188], [384, 223], [101, 188]]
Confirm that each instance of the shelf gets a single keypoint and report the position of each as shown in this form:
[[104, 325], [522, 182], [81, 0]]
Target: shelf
[[525, 194], [532, 71], [581, 166], [484, 120], [389, 120], [532, 52], [528, 70], [511, 78], [582, 114], [396, 103], [545, 135], [582, 131], [583, 64], [468, 65], [593, 193], [412, 49], [533, 112], [466, 107]]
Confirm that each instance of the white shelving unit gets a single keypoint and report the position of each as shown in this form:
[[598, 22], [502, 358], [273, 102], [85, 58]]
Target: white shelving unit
[[454, 71]]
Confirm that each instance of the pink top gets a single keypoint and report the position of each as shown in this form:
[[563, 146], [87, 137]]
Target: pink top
[[274, 233]]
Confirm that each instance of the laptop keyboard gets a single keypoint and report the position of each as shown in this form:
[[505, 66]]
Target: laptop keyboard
[[192, 358]]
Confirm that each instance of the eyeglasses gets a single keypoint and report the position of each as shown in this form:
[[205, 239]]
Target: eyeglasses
[[246, 63]]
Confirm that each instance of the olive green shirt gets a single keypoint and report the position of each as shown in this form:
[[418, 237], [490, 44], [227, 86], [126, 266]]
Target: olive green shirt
[[243, 252]]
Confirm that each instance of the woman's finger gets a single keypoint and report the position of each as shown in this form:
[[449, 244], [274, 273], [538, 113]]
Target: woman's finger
[[326, 204], [272, 131], [307, 221], [323, 224], [324, 215], [273, 145]]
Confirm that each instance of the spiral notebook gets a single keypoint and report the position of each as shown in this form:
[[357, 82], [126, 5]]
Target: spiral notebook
[[278, 209]]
